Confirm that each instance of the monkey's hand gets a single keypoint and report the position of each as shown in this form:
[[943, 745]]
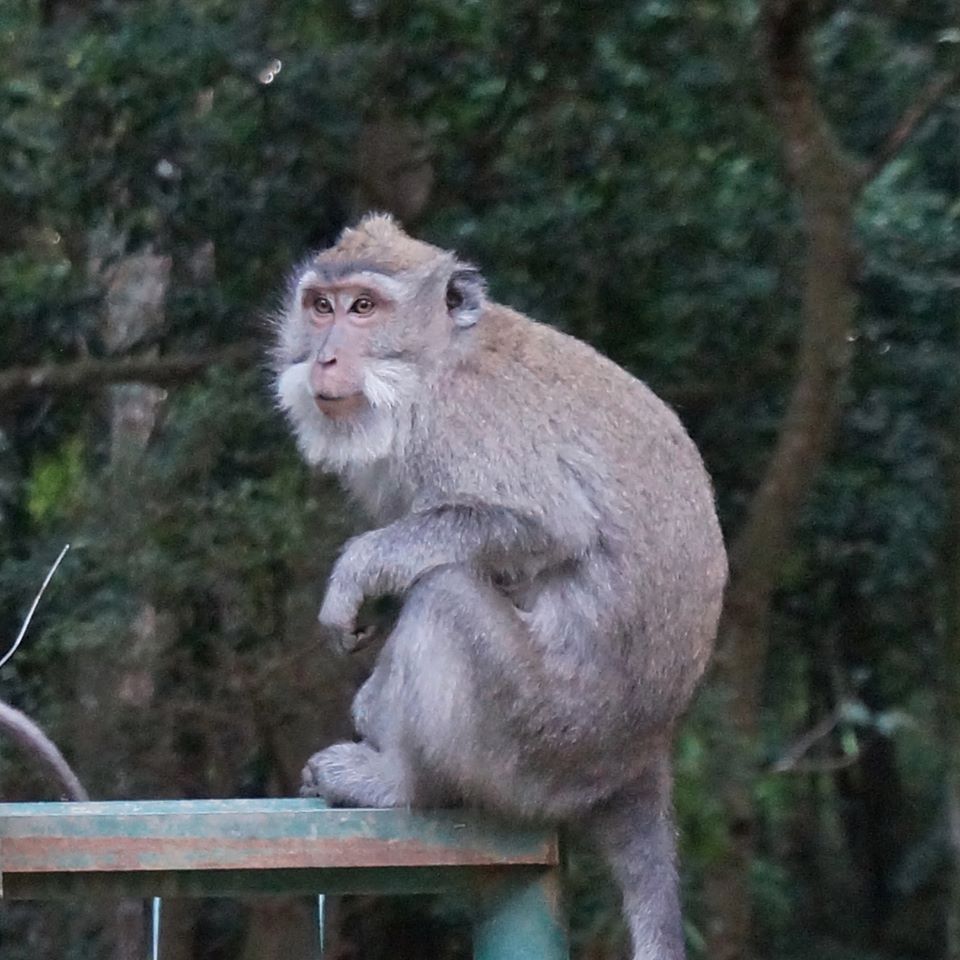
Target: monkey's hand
[[351, 582], [338, 614], [387, 561]]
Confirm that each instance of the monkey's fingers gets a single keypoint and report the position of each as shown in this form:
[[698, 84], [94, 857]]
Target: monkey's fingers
[[362, 638], [377, 617], [338, 641]]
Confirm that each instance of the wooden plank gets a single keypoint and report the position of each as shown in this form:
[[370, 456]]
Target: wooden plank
[[279, 838]]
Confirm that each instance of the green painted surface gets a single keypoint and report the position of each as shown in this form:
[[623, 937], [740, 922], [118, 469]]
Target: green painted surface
[[522, 920], [462, 881], [205, 834]]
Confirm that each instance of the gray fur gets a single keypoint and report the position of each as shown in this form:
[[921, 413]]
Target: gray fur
[[551, 531]]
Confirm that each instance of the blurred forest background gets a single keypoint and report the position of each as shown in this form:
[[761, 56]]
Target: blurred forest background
[[751, 204]]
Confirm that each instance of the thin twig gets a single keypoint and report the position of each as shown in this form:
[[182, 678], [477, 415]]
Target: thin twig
[[793, 756], [911, 118], [33, 606], [827, 765], [23, 730]]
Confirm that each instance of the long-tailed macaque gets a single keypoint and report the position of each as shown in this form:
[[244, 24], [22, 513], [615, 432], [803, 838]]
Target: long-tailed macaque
[[550, 531]]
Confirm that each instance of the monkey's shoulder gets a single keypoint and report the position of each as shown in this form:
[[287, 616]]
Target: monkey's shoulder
[[545, 378], [507, 340]]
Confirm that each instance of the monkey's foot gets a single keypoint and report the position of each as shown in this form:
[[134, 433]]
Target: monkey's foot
[[352, 775]]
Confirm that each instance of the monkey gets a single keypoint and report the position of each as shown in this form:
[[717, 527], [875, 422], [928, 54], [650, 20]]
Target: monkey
[[550, 532]]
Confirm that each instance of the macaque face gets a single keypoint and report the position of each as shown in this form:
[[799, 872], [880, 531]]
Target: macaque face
[[341, 318], [364, 323], [341, 373]]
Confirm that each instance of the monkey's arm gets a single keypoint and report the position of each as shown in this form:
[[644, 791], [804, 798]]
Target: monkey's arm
[[38, 745], [388, 560]]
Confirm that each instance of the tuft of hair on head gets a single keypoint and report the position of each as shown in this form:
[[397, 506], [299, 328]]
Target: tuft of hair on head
[[378, 238], [381, 227]]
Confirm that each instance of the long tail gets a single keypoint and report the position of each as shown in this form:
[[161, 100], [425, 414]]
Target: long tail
[[634, 831], [37, 744]]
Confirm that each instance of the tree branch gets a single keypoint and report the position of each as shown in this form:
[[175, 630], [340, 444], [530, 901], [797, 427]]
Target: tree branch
[[828, 765], [791, 757], [19, 383], [811, 150], [909, 121], [825, 180]]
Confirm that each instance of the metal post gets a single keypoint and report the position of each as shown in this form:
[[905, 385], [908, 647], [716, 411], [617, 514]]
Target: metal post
[[523, 920]]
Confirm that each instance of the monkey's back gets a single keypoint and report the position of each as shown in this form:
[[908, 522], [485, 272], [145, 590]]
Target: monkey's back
[[543, 424]]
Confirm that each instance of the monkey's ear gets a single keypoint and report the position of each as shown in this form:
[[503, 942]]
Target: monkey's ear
[[466, 292]]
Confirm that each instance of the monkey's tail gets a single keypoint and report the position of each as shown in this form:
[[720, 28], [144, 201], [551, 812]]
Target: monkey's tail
[[635, 833], [37, 744]]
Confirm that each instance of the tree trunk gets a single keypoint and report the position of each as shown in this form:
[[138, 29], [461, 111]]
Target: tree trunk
[[828, 186], [828, 190], [950, 694]]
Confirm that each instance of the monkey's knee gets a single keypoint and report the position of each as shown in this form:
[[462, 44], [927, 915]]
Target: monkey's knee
[[449, 580], [454, 594]]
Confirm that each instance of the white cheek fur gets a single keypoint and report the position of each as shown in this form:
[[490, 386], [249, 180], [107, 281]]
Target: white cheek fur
[[337, 445], [388, 383], [293, 388]]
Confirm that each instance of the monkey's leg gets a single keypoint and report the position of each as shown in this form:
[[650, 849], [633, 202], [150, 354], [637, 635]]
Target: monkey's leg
[[358, 774], [367, 710], [420, 706]]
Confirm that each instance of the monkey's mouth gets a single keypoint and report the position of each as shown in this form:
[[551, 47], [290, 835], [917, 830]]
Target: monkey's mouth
[[338, 407]]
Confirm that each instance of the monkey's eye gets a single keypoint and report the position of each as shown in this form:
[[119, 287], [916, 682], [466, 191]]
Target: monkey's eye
[[363, 306], [454, 298], [322, 304]]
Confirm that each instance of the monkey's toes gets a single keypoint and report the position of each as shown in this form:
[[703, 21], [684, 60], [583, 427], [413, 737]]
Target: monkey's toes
[[338, 774], [310, 784]]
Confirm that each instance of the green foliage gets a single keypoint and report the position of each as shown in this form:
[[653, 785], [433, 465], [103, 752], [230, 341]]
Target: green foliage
[[56, 484]]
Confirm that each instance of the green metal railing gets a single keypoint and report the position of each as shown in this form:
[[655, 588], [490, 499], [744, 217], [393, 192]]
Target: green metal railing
[[180, 848]]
